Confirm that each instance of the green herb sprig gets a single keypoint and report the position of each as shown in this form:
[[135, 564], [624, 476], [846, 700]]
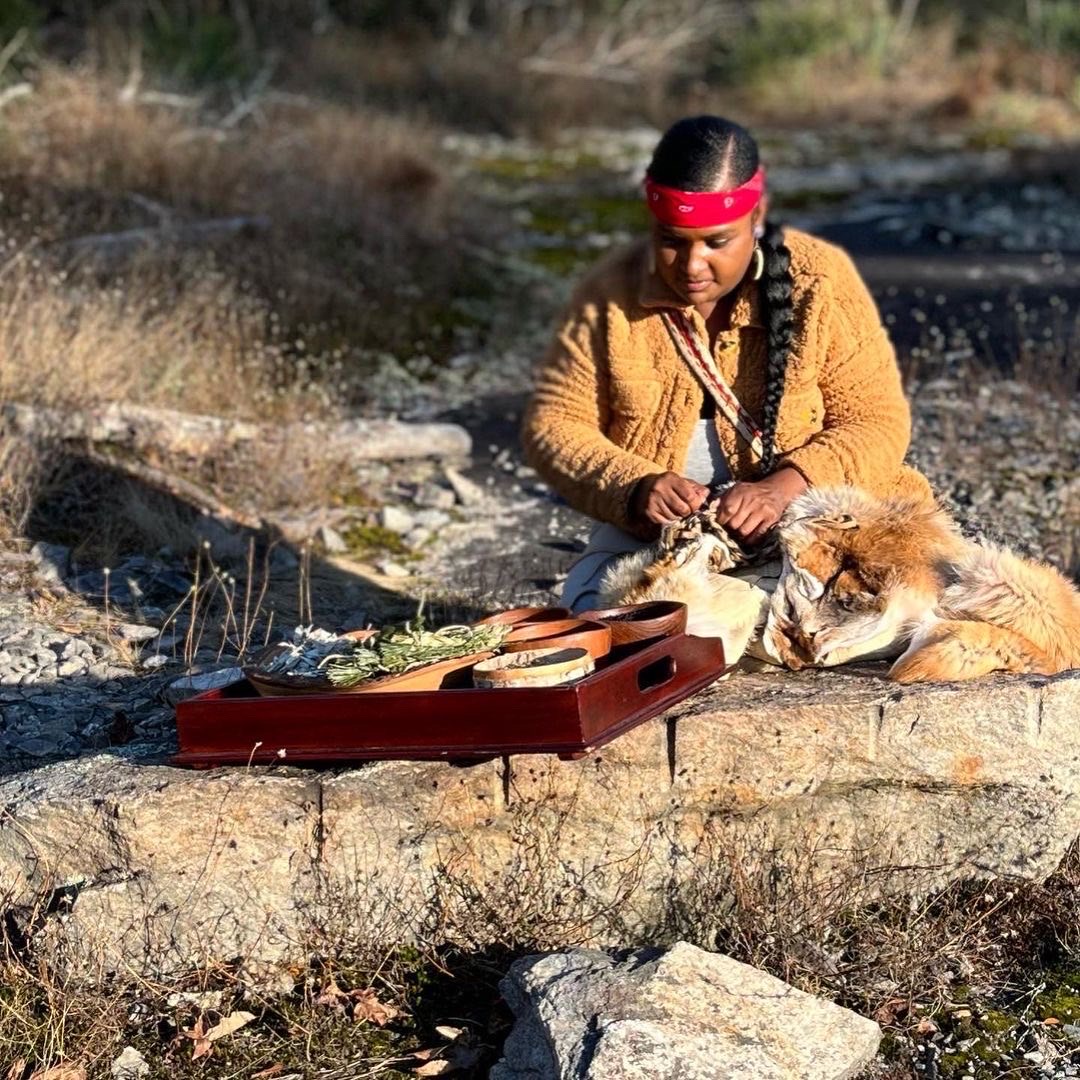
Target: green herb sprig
[[395, 650]]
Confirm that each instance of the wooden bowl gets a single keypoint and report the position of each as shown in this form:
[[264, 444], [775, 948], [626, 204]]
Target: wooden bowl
[[285, 684], [533, 668], [521, 615], [593, 637], [641, 622], [450, 674]]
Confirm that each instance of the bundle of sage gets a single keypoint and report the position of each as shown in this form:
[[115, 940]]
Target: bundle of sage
[[395, 650]]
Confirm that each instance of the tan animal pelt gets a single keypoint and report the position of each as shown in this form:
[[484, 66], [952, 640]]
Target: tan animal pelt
[[691, 564], [865, 577]]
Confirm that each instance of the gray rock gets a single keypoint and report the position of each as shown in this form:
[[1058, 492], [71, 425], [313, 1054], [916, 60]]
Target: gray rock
[[468, 492], [76, 647], [391, 569], [283, 559], [130, 1065], [396, 519], [831, 781], [35, 746], [225, 540], [53, 562], [332, 541], [431, 519], [683, 1014], [134, 632], [436, 496]]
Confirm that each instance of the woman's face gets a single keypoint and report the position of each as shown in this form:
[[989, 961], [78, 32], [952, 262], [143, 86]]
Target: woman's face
[[703, 265]]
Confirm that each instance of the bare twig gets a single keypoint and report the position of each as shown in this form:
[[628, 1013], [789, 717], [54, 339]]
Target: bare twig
[[545, 66], [167, 100], [11, 49], [144, 429], [13, 93], [173, 485]]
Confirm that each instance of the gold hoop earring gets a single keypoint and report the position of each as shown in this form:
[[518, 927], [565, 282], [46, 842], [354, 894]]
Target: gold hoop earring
[[759, 263]]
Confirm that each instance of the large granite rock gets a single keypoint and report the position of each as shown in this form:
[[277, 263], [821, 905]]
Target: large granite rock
[[838, 782], [683, 1014]]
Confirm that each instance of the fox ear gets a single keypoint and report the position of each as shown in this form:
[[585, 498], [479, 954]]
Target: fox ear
[[833, 521]]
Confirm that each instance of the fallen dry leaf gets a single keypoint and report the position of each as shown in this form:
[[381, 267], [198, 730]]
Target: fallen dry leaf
[[460, 1054], [368, 1007], [232, 1023], [69, 627], [891, 1011], [60, 1072], [272, 1070], [439, 1067], [333, 997], [926, 1026], [1051, 1021], [203, 1046]]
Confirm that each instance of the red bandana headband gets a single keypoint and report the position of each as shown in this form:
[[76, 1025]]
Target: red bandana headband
[[703, 209]]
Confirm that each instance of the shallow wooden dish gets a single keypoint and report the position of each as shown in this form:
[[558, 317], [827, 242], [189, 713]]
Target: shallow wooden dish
[[450, 674], [594, 637], [520, 616], [533, 668], [271, 685], [640, 622]]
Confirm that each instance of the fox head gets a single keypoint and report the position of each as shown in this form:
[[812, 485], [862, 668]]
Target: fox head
[[858, 573]]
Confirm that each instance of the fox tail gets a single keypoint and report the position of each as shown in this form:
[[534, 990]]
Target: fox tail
[[955, 649]]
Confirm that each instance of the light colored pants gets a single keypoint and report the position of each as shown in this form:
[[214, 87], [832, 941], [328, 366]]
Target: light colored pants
[[607, 544]]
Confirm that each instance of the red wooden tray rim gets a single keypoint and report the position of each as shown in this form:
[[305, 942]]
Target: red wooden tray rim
[[233, 725]]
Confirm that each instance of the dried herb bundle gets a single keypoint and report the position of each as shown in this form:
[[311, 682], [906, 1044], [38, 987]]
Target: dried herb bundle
[[396, 650]]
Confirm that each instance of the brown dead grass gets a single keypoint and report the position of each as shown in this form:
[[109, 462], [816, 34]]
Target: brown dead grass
[[357, 218], [359, 256]]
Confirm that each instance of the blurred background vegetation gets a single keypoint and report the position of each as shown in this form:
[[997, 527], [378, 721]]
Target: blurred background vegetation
[[281, 209]]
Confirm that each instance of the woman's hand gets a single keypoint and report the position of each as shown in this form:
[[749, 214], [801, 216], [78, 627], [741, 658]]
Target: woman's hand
[[751, 508], [665, 497]]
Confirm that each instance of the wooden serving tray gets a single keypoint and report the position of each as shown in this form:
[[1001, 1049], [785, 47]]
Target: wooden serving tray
[[235, 726]]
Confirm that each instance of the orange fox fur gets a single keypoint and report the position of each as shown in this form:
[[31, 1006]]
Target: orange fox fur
[[894, 577]]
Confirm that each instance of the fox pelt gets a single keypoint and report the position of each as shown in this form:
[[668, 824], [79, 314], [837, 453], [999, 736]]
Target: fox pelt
[[688, 564], [894, 578]]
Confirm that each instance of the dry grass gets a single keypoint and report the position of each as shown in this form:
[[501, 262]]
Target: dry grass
[[357, 218], [360, 256]]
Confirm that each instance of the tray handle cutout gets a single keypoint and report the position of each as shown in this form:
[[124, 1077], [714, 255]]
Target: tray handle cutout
[[658, 673]]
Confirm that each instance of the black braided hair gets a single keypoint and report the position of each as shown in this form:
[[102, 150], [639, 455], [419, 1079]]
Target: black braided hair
[[708, 153]]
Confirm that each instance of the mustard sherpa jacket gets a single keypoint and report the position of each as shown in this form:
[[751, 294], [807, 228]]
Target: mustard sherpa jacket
[[614, 401]]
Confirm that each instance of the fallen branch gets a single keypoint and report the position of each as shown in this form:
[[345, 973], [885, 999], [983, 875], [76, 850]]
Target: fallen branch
[[546, 66], [144, 430], [119, 243], [176, 486]]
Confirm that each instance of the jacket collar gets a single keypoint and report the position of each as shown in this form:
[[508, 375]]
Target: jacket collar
[[655, 293]]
